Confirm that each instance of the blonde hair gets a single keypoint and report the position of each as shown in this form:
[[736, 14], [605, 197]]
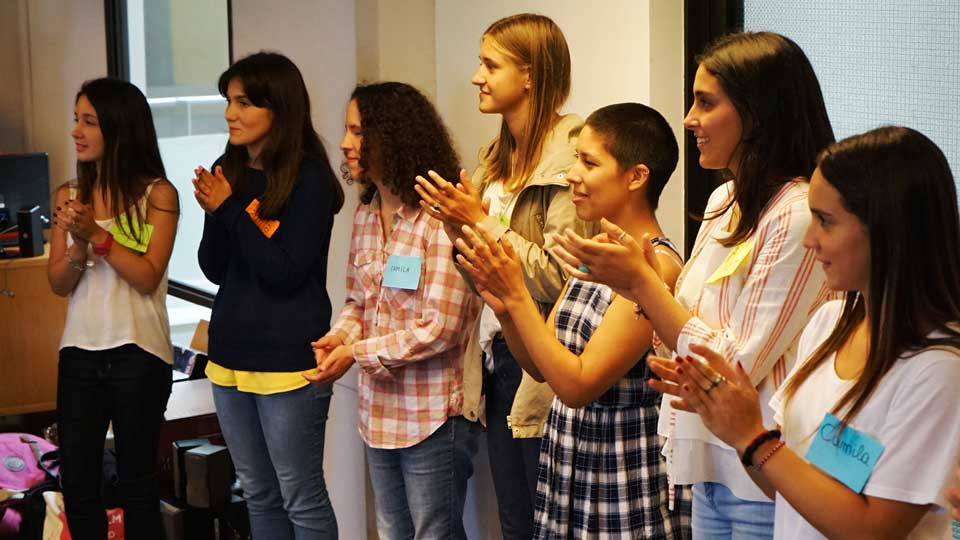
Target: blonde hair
[[535, 44]]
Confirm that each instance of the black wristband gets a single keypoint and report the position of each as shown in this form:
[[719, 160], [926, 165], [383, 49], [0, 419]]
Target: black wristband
[[747, 457]]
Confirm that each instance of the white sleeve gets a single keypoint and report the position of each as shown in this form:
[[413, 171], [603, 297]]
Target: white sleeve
[[816, 332], [779, 292], [921, 433]]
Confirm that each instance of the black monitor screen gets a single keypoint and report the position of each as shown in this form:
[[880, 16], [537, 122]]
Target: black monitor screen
[[24, 183]]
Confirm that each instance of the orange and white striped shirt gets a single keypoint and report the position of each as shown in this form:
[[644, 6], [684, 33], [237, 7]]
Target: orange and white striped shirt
[[408, 344], [749, 302]]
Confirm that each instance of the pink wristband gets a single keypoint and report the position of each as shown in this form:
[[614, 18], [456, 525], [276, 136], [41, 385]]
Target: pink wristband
[[768, 455], [103, 248]]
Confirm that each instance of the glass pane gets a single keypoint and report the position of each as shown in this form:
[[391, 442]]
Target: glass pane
[[879, 63], [178, 48]]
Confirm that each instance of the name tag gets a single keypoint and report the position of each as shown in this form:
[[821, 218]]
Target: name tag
[[737, 255], [119, 231], [402, 272], [849, 456], [266, 226]]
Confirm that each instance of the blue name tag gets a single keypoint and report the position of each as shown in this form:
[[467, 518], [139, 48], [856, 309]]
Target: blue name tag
[[849, 456], [402, 272]]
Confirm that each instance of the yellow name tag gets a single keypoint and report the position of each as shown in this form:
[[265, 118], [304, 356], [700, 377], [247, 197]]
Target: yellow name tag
[[119, 231], [266, 226], [740, 253]]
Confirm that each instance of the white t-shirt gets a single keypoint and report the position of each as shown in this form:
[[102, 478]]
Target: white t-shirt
[[914, 413], [105, 311], [501, 205]]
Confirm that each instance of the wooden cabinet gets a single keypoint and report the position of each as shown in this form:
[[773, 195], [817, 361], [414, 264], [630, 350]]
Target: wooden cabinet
[[31, 323]]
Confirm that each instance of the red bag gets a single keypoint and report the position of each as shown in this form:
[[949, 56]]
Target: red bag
[[55, 522]]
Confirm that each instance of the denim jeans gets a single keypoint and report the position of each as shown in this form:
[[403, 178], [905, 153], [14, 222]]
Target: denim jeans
[[514, 463], [130, 387], [420, 490], [276, 443], [719, 514]]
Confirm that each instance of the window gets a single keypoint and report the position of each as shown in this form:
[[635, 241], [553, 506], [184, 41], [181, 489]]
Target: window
[[879, 63], [174, 50]]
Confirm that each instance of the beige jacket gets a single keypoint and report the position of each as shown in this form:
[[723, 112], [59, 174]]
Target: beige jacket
[[543, 208]]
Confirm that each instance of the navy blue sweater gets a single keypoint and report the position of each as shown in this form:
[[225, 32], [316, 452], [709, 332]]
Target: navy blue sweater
[[273, 297]]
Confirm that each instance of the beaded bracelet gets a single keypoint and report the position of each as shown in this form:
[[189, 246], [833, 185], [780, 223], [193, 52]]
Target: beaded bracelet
[[76, 265], [747, 458], [768, 455]]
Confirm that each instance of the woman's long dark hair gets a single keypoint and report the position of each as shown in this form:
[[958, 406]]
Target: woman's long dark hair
[[131, 158], [785, 124], [898, 184], [403, 136], [272, 81]]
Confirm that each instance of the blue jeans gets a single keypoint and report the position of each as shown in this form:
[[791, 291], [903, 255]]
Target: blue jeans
[[420, 490], [276, 443], [719, 514], [514, 463], [130, 387]]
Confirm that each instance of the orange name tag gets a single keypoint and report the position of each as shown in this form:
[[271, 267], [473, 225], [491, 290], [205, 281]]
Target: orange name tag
[[266, 226]]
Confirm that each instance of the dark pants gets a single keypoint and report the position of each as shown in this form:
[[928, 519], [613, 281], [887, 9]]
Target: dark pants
[[513, 462], [129, 387]]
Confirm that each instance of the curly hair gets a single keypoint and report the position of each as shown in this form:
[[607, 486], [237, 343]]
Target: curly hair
[[403, 136]]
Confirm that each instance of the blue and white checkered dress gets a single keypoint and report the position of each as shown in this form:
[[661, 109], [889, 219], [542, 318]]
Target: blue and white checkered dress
[[601, 471]]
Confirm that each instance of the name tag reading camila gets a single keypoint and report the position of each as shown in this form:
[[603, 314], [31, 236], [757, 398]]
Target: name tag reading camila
[[402, 272], [849, 456]]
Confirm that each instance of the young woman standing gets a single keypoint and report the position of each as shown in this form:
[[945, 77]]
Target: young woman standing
[[405, 319], [524, 76], [749, 285], [109, 248], [270, 205], [870, 416], [592, 349]]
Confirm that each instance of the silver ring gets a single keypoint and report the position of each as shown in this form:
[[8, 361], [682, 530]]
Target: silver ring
[[436, 207], [708, 389], [719, 380], [620, 237]]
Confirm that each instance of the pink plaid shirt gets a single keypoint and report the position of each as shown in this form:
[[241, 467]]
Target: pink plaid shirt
[[409, 344]]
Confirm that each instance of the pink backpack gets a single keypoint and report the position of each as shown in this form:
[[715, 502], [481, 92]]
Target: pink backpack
[[22, 466]]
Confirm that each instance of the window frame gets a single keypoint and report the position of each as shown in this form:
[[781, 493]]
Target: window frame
[[704, 22]]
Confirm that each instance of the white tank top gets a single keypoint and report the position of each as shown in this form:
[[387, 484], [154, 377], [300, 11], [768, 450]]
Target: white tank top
[[105, 311]]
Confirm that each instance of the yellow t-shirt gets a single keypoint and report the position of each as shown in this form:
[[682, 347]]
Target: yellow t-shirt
[[258, 382]]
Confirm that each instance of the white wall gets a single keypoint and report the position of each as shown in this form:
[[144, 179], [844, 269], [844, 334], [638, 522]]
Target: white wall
[[65, 46], [15, 76], [396, 42]]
